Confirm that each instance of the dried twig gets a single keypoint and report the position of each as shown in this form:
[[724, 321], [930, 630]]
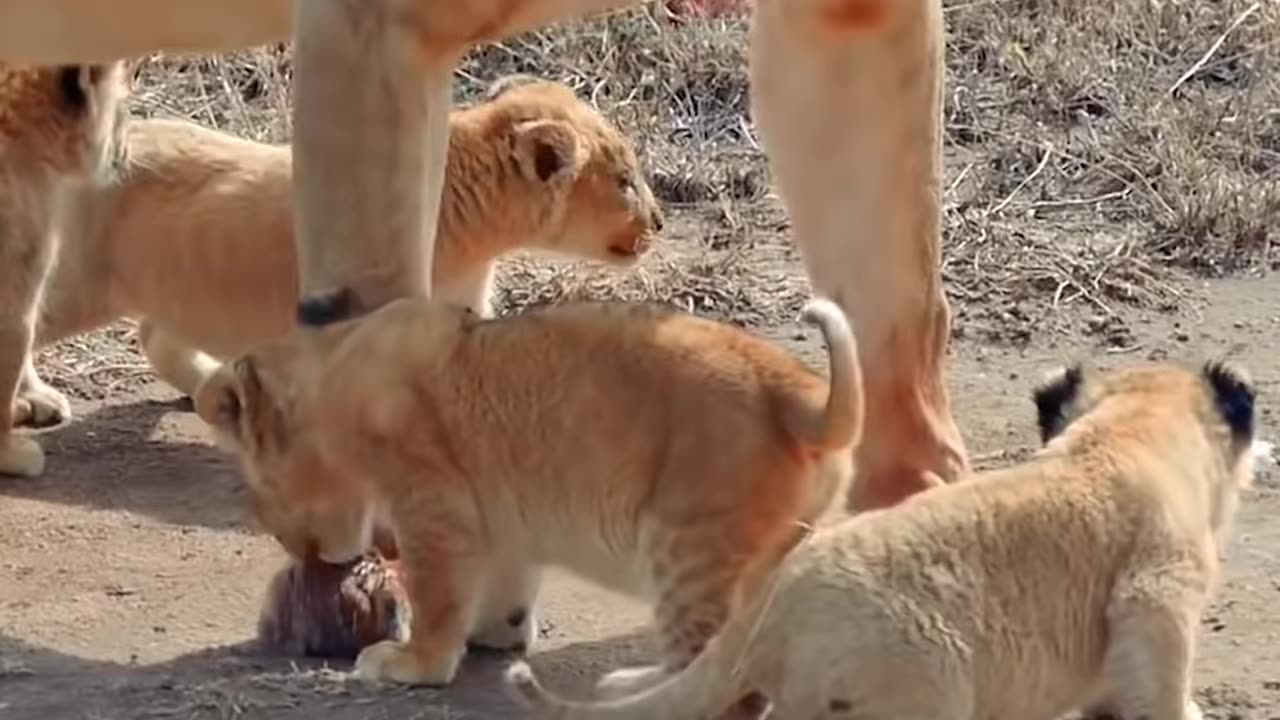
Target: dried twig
[[1044, 161], [1195, 68]]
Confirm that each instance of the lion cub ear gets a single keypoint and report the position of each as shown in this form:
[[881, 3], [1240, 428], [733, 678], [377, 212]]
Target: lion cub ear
[[81, 86], [1234, 395], [506, 83], [237, 404], [1053, 396], [547, 150]]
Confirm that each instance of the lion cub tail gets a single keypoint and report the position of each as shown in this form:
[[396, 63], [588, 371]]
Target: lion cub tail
[[839, 423], [707, 687]]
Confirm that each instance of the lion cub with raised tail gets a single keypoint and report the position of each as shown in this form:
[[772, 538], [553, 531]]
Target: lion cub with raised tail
[[195, 239], [657, 453], [1072, 581]]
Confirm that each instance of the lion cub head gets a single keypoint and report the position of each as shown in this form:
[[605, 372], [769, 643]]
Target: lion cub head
[[272, 407], [601, 206], [63, 121], [1200, 422], [254, 406]]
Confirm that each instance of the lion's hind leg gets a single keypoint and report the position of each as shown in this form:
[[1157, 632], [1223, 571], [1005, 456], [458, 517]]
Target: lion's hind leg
[[1148, 662]]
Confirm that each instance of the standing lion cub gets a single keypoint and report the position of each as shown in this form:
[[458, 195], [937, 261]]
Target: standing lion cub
[[195, 239], [654, 452], [59, 128], [1073, 581]]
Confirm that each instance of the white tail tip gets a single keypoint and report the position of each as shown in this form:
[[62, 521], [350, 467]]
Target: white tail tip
[[828, 315], [522, 684]]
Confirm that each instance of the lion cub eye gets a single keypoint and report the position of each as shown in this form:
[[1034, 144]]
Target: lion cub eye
[[625, 183]]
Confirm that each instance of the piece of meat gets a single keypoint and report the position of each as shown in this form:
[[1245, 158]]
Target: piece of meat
[[316, 609]]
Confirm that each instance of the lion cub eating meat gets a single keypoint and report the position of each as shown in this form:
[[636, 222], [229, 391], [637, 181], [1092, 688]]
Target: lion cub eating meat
[[1072, 581], [657, 453], [195, 239]]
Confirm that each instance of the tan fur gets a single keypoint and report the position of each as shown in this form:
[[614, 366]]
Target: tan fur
[[58, 127], [1073, 581], [88, 31], [195, 237], [659, 454], [859, 170]]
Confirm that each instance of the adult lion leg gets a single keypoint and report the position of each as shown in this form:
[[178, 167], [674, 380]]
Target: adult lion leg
[[371, 104], [859, 171]]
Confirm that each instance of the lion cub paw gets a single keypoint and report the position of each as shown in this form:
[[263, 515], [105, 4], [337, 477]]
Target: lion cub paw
[[515, 632], [40, 406], [627, 681], [393, 661], [20, 456]]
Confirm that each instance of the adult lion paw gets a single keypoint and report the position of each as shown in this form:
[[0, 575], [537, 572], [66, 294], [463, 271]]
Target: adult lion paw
[[21, 456], [38, 404], [393, 661]]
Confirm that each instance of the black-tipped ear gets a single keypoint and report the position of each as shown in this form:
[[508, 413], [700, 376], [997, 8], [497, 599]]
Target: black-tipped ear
[[73, 86], [325, 308], [1234, 395], [1052, 397]]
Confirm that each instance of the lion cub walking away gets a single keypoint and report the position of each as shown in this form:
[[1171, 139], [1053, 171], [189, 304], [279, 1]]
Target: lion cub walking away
[[195, 239], [58, 126], [1072, 581], [654, 452]]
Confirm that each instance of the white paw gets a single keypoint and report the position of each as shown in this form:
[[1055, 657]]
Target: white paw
[[40, 406], [1191, 711], [627, 681], [21, 456]]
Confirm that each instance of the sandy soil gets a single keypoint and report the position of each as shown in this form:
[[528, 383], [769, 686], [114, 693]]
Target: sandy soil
[[129, 582]]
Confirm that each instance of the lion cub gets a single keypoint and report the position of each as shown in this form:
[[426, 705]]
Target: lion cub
[[1072, 581], [58, 128], [654, 452], [195, 239]]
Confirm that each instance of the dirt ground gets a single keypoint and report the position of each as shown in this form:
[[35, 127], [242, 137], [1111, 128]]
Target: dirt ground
[[1099, 166], [131, 581]]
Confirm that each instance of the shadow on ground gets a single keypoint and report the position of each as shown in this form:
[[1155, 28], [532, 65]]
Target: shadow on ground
[[233, 682], [111, 457]]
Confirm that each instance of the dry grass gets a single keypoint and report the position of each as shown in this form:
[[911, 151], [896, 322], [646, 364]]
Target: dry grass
[[1096, 155]]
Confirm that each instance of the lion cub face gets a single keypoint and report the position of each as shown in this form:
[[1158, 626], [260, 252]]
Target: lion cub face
[[65, 120], [294, 494], [268, 407], [1212, 409], [604, 208]]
